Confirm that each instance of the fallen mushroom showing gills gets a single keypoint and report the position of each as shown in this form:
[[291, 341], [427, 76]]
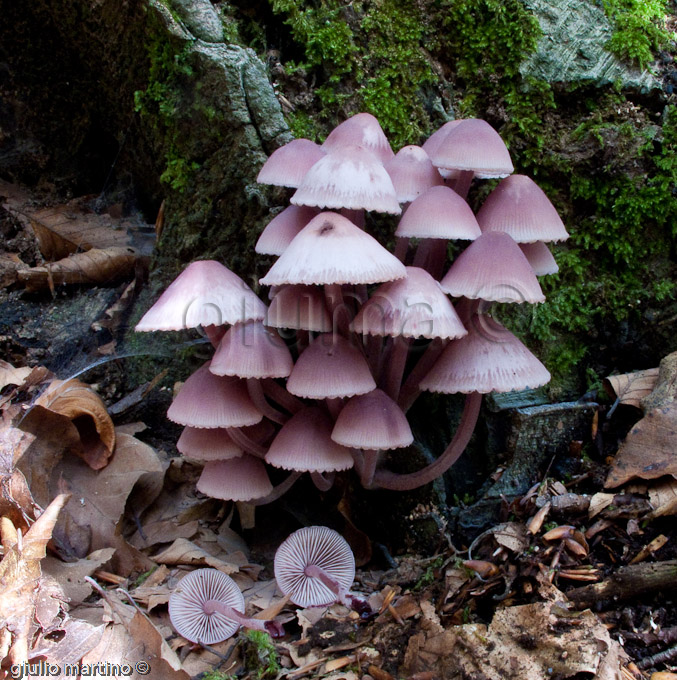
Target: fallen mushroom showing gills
[[316, 567], [207, 606]]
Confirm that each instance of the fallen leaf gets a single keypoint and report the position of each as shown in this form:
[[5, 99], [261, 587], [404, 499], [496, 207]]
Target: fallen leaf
[[183, 551], [630, 388], [21, 581], [663, 498], [648, 451], [16, 500], [85, 409], [12, 376], [94, 267]]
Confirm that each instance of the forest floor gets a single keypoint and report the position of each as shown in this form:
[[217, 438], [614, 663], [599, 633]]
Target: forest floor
[[578, 579]]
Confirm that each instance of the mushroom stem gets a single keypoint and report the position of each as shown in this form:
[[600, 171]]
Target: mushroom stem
[[338, 311], [401, 248], [257, 395], [410, 390], [390, 480], [277, 491], [463, 181], [214, 333], [334, 406], [323, 481], [280, 395], [355, 216], [342, 595], [370, 461], [216, 606], [247, 444], [392, 381]]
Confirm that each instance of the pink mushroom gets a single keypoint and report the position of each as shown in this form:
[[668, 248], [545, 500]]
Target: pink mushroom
[[207, 607]]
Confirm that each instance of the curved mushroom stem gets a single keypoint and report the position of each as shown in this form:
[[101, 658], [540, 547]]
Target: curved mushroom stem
[[278, 491], [463, 181], [391, 480], [342, 595], [338, 311], [257, 395], [323, 481], [273, 627], [280, 396], [247, 444]]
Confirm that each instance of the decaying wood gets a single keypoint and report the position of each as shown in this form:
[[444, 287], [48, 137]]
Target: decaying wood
[[628, 582]]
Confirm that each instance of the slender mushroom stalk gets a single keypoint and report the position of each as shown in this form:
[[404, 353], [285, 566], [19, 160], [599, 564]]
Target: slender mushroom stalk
[[207, 607], [278, 491]]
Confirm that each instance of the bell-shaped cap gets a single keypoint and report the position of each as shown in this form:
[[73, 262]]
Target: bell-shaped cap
[[488, 359], [362, 129], [520, 207], [299, 307], [372, 421], [540, 258], [329, 368], [304, 444], [348, 177], [432, 143], [473, 145], [250, 350], [206, 293], [208, 400], [493, 268], [412, 173], [280, 231], [331, 249], [439, 212], [189, 605], [413, 307], [313, 546], [237, 479], [288, 165], [207, 444]]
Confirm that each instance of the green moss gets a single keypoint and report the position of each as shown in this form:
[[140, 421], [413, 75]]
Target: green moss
[[639, 28], [260, 657]]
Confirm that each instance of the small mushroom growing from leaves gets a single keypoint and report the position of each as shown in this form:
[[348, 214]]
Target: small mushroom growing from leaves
[[207, 607], [316, 567]]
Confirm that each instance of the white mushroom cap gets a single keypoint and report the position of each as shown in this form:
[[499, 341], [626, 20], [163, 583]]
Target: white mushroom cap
[[187, 606], [319, 546]]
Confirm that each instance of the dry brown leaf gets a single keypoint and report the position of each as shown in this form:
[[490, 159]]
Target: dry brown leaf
[[100, 498], [12, 376], [663, 498], [531, 642], [16, 501], [598, 502], [511, 535], [630, 388], [85, 409], [71, 575], [21, 582], [183, 551], [648, 451], [75, 639], [65, 229], [95, 267]]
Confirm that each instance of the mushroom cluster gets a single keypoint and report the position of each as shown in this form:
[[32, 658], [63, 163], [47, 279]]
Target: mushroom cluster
[[321, 379]]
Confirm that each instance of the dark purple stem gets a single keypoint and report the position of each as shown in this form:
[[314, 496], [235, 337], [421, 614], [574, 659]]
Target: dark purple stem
[[392, 381], [391, 480], [463, 181], [410, 390]]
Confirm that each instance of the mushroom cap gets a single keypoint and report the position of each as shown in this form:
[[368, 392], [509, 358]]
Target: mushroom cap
[[304, 444], [348, 177], [237, 479], [280, 231], [520, 207], [489, 359], [331, 249], [250, 350], [439, 212], [208, 400], [329, 368], [206, 293], [473, 145], [362, 129], [430, 146], [413, 307], [493, 268], [319, 546], [300, 307], [372, 421], [540, 258], [187, 606], [207, 444], [412, 172], [288, 165]]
